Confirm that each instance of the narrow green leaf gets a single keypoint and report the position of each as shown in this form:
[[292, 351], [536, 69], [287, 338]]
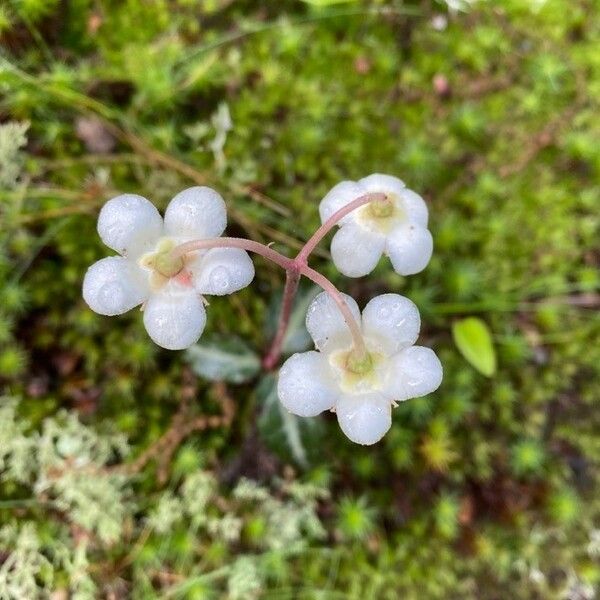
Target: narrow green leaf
[[474, 341], [223, 359]]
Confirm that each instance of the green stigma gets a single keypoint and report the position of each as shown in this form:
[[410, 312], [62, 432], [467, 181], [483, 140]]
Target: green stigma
[[359, 364], [381, 209], [163, 262], [166, 265]]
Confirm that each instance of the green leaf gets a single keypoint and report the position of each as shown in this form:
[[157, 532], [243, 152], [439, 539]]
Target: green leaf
[[474, 341], [223, 359], [285, 433], [296, 338]]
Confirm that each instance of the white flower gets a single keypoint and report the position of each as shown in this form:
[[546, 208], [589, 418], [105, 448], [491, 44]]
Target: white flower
[[361, 391], [170, 289], [396, 227]]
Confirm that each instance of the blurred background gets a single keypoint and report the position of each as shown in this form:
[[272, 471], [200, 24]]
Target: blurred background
[[127, 471]]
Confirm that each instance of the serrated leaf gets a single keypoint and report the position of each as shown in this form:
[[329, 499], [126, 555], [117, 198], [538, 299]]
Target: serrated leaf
[[474, 341], [296, 338], [223, 359], [283, 432]]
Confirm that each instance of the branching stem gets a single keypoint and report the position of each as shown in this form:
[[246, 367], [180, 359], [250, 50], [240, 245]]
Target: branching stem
[[335, 218], [294, 268], [230, 242], [292, 279]]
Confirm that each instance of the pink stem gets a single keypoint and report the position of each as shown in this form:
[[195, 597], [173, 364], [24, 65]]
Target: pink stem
[[230, 242], [290, 265], [289, 292], [291, 284], [336, 296], [335, 218]]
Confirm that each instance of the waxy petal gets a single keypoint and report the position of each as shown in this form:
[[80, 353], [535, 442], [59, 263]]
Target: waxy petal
[[222, 271], [327, 326], [339, 196], [393, 321], [130, 225], [196, 213], [114, 285], [365, 418], [413, 372], [387, 184], [175, 317], [305, 385], [409, 248], [414, 207], [355, 250]]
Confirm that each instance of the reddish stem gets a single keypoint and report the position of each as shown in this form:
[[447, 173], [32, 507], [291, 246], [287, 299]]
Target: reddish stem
[[290, 265], [335, 218], [231, 242], [294, 268], [291, 287], [336, 296], [292, 279]]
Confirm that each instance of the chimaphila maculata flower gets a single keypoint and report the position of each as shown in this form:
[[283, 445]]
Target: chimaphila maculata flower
[[170, 289], [396, 227], [361, 389]]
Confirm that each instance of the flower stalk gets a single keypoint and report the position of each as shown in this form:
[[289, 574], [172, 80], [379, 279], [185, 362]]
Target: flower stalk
[[294, 268], [335, 218], [292, 279], [361, 384]]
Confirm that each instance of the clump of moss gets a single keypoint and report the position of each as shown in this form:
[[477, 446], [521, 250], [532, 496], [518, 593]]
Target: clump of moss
[[489, 112]]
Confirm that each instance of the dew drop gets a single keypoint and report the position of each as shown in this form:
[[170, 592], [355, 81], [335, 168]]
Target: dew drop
[[384, 313], [219, 278], [112, 295]]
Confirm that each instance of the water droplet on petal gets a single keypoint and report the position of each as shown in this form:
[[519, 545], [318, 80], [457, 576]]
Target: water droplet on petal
[[219, 278], [112, 295], [384, 312]]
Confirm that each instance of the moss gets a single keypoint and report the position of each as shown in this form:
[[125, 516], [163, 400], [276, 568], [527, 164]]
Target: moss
[[489, 112]]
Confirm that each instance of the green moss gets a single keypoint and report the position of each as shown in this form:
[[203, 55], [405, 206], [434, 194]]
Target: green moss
[[355, 518], [492, 118], [13, 361]]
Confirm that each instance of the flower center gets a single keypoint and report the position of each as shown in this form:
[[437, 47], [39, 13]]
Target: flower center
[[166, 265], [382, 208], [162, 264], [381, 215], [357, 372], [359, 364]]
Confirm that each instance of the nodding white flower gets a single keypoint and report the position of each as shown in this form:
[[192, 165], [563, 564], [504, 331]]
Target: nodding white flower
[[170, 289], [360, 389], [396, 227]]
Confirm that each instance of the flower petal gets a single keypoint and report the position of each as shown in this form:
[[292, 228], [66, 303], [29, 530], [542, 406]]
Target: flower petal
[[365, 418], [326, 324], [130, 225], [305, 385], [409, 248], [174, 317], [222, 271], [413, 372], [341, 194], [356, 250], [382, 183], [114, 285], [414, 207], [196, 213], [393, 321]]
